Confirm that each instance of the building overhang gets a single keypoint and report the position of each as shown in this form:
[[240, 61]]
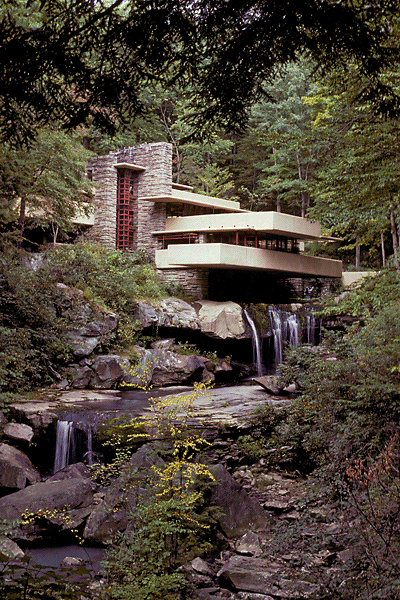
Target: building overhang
[[129, 166], [220, 256], [184, 196], [279, 224]]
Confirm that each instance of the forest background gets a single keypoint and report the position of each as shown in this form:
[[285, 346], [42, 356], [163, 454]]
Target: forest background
[[290, 106]]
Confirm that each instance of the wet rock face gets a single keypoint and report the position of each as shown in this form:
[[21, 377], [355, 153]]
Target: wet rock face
[[16, 470], [158, 367], [111, 514]]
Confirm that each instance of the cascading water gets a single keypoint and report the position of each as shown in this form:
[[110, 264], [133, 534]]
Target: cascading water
[[286, 329], [312, 330], [63, 444], [257, 358], [293, 330], [74, 443], [276, 326]]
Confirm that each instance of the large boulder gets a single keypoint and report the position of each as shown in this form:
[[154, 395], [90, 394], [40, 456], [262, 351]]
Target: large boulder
[[240, 512], [172, 368], [16, 470], [39, 415], [48, 506], [108, 371], [10, 548], [169, 312], [263, 577], [19, 433], [161, 367], [111, 515], [221, 319], [89, 326]]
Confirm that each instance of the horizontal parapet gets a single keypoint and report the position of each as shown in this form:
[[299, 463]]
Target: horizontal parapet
[[279, 224], [187, 197], [244, 257]]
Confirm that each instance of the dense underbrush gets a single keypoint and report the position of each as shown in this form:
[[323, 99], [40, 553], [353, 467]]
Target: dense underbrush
[[33, 340], [342, 431]]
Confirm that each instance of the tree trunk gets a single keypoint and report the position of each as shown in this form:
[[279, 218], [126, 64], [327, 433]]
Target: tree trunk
[[383, 249], [305, 203], [395, 239], [54, 228], [21, 222], [358, 254]]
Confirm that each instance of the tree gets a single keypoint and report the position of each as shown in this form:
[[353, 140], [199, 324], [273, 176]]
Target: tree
[[77, 62], [283, 129], [357, 192], [46, 182]]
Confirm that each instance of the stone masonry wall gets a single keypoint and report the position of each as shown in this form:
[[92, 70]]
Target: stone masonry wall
[[156, 180], [193, 281], [104, 175]]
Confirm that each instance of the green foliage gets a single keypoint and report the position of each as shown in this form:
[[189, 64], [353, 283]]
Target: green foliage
[[368, 298], [32, 335], [45, 185], [350, 392], [80, 64], [113, 279], [117, 279], [262, 432], [172, 521]]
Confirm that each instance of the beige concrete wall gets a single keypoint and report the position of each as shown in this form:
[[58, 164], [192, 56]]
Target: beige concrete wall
[[226, 255], [269, 222], [187, 197], [352, 278]]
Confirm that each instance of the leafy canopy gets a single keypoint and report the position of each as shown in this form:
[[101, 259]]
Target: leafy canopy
[[74, 61]]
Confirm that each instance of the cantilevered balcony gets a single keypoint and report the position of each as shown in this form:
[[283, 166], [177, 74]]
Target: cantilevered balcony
[[217, 255], [266, 241]]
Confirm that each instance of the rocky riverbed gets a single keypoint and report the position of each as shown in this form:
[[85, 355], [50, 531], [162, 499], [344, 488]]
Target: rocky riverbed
[[276, 538]]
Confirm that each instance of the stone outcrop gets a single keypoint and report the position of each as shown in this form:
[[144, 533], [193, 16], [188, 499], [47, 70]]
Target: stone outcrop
[[170, 368], [263, 577], [169, 312], [88, 325], [110, 516], [39, 415], [240, 512], [16, 470], [49, 505], [10, 548], [221, 319], [18, 433], [157, 367]]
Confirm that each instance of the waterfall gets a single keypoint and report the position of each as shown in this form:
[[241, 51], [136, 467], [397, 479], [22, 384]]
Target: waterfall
[[89, 454], [257, 359], [74, 443], [286, 329], [63, 444], [294, 330], [276, 325], [310, 329]]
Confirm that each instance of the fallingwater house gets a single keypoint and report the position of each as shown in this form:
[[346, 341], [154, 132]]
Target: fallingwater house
[[210, 246]]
